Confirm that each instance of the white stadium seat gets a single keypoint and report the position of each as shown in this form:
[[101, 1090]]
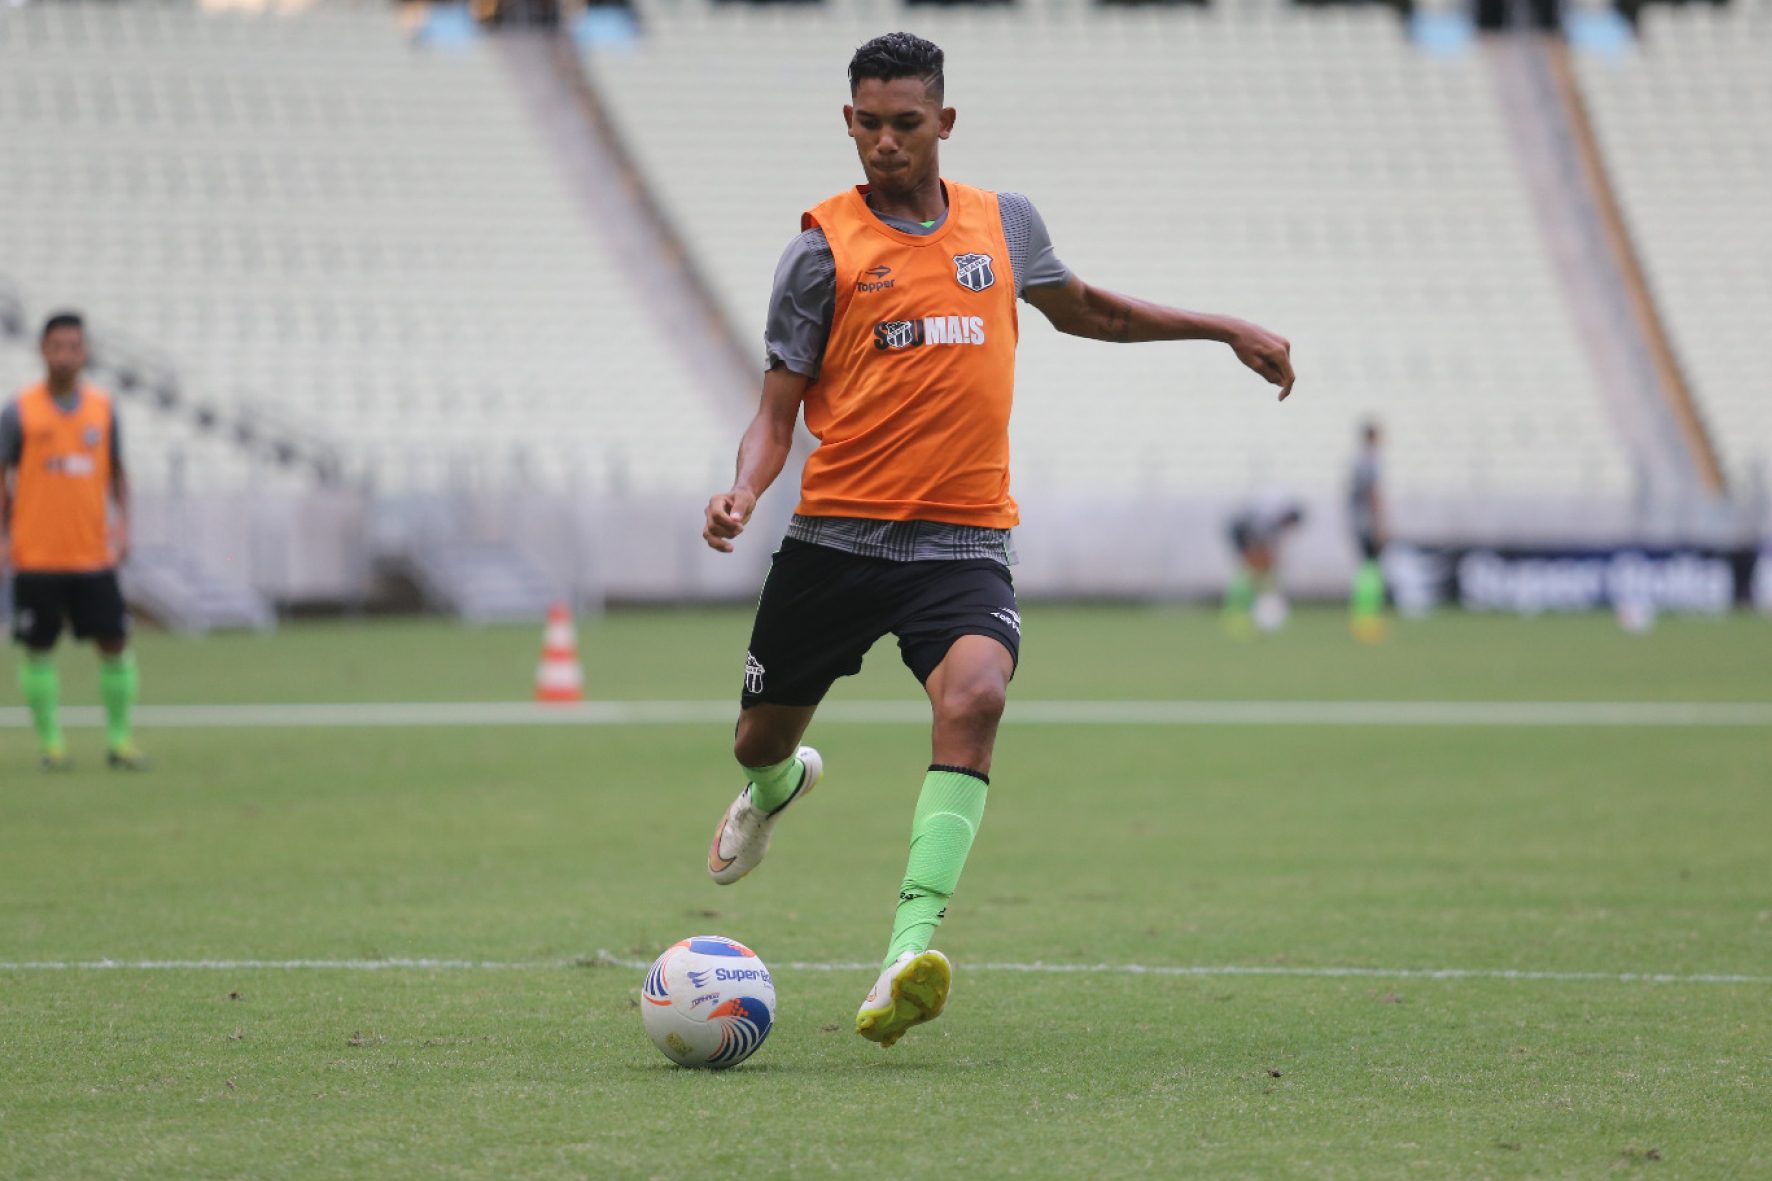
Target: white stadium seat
[[312, 217], [1685, 125]]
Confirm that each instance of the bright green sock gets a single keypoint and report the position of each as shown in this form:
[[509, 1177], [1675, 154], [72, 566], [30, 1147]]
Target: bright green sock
[[118, 683], [947, 817], [772, 786], [1368, 597], [43, 688], [1239, 596]]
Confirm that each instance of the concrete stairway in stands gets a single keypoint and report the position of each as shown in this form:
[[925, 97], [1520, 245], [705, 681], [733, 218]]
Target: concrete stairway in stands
[[168, 587], [482, 582]]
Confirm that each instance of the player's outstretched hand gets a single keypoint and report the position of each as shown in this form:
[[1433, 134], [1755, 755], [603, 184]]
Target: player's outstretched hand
[[727, 515], [1268, 353]]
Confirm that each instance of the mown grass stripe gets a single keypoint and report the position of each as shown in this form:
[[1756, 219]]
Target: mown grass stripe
[[606, 959], [1049, 713]]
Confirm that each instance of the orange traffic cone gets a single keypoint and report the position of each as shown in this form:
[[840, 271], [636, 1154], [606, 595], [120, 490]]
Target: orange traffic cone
[[559, 678]]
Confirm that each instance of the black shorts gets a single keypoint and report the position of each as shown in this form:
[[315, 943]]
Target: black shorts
[[1246, 535], [92, 603], [1370, 548], [822, 609]]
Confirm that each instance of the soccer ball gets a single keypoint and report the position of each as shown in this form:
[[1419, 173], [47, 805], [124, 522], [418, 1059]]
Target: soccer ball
[[708, 1001], [1271, 611]]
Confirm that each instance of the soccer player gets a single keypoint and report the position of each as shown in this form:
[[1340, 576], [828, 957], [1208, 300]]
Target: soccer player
[[64, 523], [1253, 599], [893, 323], [1366, 513]]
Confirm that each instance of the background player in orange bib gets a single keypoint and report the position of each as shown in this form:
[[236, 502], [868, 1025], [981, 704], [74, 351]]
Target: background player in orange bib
[[894, 324], [63, 516]]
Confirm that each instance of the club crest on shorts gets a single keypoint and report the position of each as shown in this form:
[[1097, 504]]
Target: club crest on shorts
[[973, 271], [753, 674]]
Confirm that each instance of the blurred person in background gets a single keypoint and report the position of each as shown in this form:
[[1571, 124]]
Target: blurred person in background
[[1253, 600], [1366, 514], [64, 522]]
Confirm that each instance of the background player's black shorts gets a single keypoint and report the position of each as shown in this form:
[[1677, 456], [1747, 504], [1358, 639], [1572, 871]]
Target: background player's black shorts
[[822, 609], [92, 603]]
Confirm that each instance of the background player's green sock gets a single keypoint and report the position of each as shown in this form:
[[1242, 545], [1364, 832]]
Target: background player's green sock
[[1368, 601], [771, 786], [948, 813], [1239, 596], [118, 683], [42, 688]]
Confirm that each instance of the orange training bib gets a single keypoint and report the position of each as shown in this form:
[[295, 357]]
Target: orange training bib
[[62, 494], [911, 407]]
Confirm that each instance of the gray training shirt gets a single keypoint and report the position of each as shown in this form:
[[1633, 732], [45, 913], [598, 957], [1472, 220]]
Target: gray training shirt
[[801, 308], [1363, 492]]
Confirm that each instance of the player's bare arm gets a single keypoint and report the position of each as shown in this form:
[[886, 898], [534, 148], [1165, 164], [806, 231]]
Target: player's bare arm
[[1078, 309], [761, 455], [120, 523], [5, 518]]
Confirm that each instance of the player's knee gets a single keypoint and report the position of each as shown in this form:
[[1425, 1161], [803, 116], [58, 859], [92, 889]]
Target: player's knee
[[976, 704], [754, 748]]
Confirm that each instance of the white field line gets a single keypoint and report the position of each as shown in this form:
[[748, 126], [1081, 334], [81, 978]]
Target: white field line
[[1047, 713], [606, 959]]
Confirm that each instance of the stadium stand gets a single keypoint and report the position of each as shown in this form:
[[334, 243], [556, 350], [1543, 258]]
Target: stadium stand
[[396, 245], [1685, 124], [1304, 167], [321, 219]]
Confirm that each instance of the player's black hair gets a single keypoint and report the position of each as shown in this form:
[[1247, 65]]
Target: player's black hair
[[62, 320], [1369, 430], [899, 55]]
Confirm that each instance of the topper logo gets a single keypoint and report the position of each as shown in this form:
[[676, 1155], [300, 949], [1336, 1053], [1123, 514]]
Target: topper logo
[[698, 979], [880, 281]]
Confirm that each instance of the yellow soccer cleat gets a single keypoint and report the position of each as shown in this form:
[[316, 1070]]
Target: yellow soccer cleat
[[1369, 629], [912, 990], [126, 757], [55, 758]]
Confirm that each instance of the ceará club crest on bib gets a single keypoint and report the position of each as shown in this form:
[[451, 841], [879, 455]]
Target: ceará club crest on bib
[[973, 271]]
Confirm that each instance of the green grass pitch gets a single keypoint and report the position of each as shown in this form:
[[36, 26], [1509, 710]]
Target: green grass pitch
[[1558, 849]]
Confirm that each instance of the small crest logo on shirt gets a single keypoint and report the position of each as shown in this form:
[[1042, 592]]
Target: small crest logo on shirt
[[973, 271], [89, 438], [897, 334], [753, 674]]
